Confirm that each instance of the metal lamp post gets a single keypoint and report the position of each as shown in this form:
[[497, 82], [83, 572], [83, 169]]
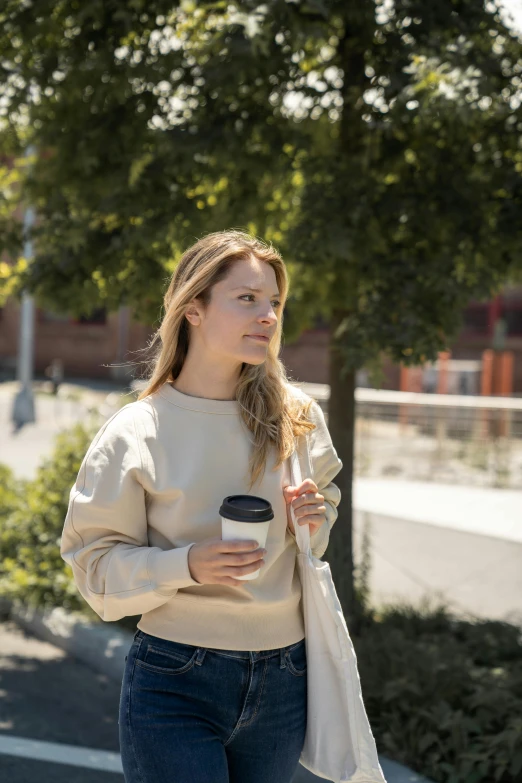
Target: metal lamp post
[[23, 407]]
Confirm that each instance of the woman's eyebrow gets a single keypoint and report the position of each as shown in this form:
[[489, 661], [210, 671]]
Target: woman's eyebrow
[[249, 287]]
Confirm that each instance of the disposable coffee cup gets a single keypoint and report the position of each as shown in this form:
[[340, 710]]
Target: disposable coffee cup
[[246, 518]]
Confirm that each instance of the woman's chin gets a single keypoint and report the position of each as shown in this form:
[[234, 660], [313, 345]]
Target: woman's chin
[[254, 359]]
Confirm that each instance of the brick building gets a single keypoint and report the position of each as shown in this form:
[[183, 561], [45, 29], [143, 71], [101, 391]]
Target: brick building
[[87, 346], [93, 346]]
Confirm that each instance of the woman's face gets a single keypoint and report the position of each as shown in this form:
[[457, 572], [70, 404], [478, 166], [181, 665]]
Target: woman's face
[[235, 312]]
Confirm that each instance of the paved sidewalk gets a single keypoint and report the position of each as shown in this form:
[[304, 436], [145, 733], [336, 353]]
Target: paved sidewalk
[[58, 716], [451, 544], [481, 510], [24, 450]]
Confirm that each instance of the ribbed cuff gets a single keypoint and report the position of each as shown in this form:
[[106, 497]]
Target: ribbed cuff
[[169, 569], [319, 541]]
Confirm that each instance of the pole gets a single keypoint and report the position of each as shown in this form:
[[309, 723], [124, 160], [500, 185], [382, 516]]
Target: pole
[[23, 407]]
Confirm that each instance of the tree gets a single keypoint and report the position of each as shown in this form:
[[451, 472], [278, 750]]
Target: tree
[[376, 145]]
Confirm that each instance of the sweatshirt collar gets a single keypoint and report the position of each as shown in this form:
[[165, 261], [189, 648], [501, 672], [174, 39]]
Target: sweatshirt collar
[[203, 404]]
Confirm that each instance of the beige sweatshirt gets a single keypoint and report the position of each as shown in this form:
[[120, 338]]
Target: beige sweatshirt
[[150, 487]]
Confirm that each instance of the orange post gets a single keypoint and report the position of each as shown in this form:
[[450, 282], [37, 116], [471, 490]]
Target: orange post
[[404, 378], [506, 373], [442, 377], [486, 388], [486, 380]]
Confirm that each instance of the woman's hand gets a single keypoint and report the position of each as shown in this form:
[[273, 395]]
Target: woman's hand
[[217, 562], [308, 505]]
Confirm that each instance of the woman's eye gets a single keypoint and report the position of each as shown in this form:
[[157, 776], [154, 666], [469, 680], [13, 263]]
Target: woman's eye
[[275, 301]]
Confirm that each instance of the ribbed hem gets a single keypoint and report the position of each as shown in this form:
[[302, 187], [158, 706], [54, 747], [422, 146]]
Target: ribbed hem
[[201, 622], [169, 570]]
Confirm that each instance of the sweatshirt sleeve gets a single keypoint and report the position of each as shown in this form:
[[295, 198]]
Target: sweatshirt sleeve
[[325, 466], [104, 538]]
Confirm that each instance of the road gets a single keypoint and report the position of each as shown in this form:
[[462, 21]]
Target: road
[[53, 709]]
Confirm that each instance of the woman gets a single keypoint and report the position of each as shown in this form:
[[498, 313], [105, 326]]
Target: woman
[[215, 687]]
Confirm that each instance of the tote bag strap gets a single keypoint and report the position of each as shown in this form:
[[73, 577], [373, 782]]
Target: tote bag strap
[[302, 532]]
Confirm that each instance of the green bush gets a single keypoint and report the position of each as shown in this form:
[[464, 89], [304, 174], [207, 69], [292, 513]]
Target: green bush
[[11, 491], [444, 695], [32, 514]]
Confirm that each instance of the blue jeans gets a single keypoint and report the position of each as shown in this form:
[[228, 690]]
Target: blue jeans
[[201, 715]]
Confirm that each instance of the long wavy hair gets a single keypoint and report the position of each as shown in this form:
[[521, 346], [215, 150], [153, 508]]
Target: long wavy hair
[[268, 406]]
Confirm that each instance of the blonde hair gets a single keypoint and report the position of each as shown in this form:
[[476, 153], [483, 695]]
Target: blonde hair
[[268, 406]]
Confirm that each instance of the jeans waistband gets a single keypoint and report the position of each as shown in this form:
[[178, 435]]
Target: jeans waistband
[[252, 655]]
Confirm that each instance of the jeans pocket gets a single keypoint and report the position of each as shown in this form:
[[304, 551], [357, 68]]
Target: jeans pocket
[[177, 658], [295, 658]]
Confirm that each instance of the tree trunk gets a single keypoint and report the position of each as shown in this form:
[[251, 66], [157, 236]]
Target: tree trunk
[[341, 424], [358, 33]]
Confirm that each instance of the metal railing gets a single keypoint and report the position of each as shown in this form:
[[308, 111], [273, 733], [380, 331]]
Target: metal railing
[[448, 438]]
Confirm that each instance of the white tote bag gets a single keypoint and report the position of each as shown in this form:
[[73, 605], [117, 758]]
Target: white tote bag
[[339, 744]]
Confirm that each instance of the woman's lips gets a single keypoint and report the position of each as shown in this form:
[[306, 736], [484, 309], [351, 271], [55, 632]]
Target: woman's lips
[[255, 337]]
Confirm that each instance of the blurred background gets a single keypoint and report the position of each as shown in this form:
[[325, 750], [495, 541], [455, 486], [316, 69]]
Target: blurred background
[[378, 146]]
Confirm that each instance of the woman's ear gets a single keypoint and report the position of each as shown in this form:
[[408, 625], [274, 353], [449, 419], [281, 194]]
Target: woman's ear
[[192, 314]]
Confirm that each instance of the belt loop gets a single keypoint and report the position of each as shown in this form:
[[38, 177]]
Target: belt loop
[[282, 661], [200, 655]]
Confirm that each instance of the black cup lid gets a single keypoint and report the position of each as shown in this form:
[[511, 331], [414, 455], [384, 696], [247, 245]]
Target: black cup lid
[[246, 508]]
